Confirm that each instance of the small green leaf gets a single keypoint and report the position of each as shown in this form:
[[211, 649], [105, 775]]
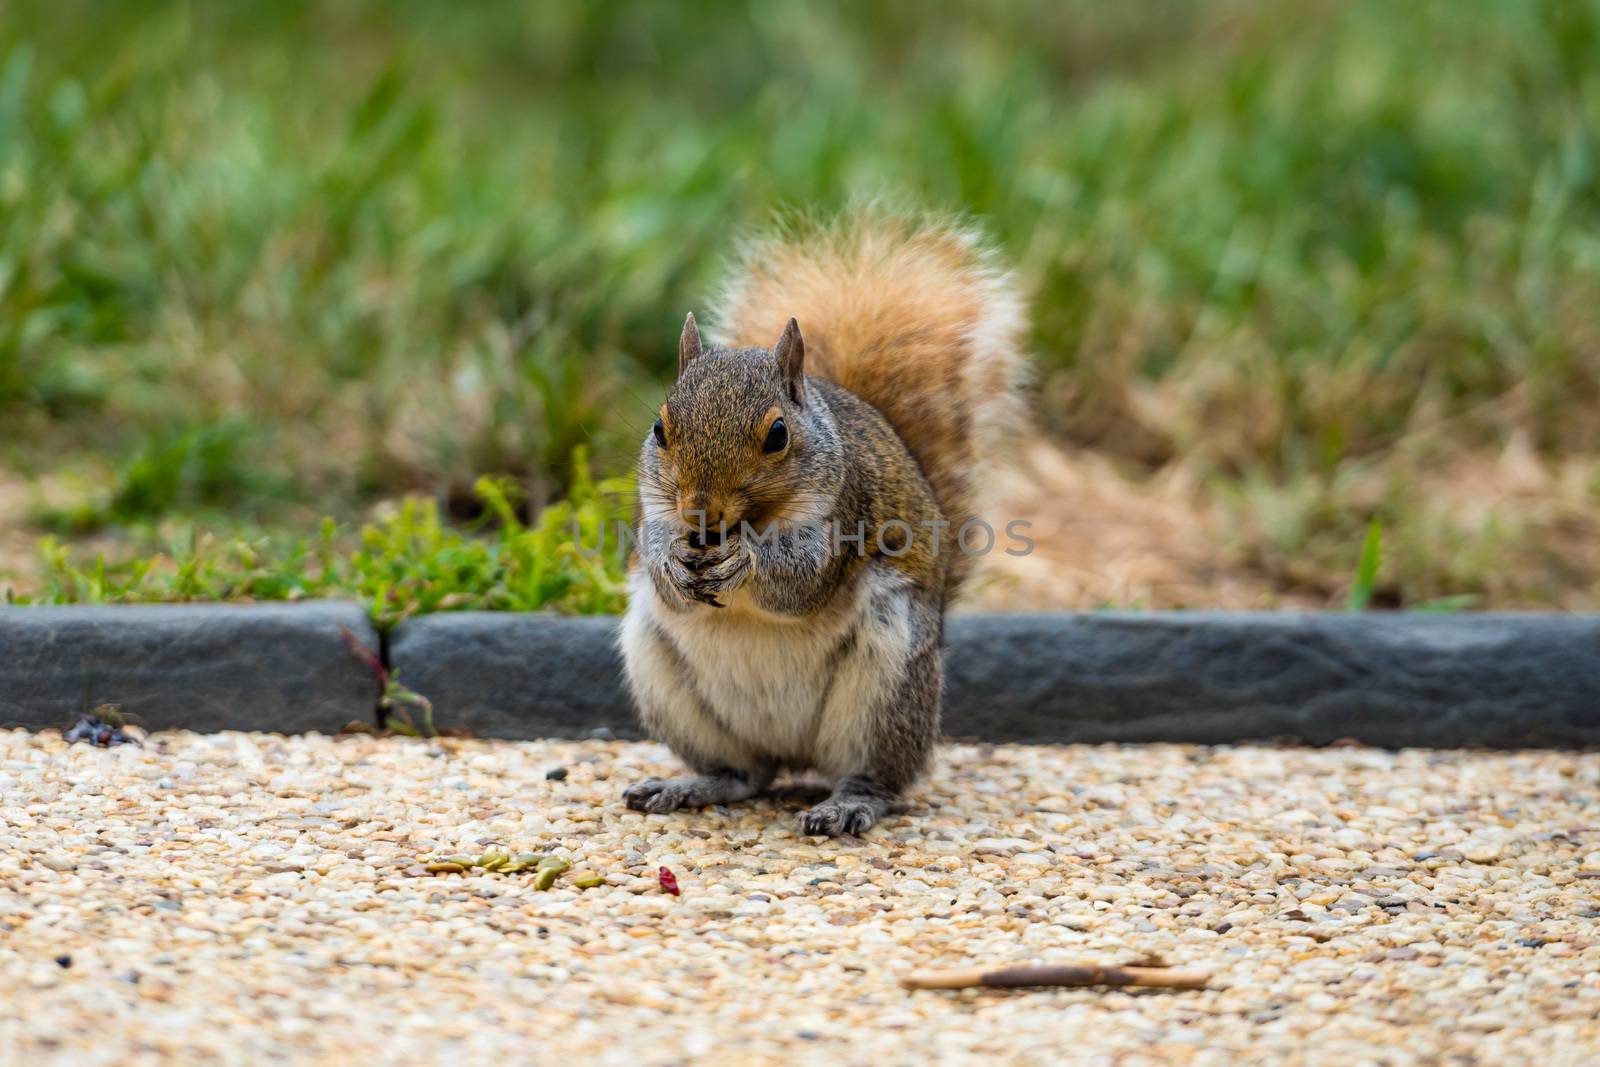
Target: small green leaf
[[1366, 577]]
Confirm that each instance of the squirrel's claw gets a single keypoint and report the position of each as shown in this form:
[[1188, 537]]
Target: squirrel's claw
[[839, 818], [705, 592], [721, 578]]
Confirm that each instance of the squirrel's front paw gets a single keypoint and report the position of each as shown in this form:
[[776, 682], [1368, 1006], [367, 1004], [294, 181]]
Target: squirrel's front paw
[[721, 578], [707, 573], [680, 569]]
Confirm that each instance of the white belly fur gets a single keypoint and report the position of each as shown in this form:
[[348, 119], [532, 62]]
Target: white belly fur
[[766, 677]]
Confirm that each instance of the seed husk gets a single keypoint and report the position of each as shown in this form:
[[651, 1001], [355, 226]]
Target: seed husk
[[504, 863], [589, 881]]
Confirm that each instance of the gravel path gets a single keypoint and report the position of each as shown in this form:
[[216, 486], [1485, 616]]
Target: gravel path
[[235, 897]]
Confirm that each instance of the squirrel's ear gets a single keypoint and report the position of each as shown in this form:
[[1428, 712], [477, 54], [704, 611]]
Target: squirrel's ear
[[688, 343], [791, 353]]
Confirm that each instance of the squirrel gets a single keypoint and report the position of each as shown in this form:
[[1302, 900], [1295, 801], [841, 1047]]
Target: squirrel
[[801, 507]]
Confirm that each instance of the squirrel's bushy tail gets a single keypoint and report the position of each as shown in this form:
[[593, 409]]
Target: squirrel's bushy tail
[[913, 314]]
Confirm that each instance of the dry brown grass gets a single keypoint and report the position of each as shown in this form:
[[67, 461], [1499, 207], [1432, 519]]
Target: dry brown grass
[[1105, 539], [1511, 530], [17, 555]]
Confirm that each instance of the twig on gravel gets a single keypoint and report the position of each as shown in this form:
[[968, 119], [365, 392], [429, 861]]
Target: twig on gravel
[[1074, 974]]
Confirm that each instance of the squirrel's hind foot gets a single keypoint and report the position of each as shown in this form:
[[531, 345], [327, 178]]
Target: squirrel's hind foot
[[661, 795], [854, 808], [836, 818]]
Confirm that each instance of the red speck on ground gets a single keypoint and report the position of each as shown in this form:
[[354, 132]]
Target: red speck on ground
[[668, 880]]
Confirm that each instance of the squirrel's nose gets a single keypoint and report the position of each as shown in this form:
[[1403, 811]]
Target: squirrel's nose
[[707, 523]]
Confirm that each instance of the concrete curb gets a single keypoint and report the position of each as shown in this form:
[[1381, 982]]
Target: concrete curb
[[1385, 679], [1394, 680], [501, 674], [280, 667]]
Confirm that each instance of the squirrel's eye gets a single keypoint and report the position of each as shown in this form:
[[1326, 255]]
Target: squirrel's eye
[[661, 434], [777, 437]]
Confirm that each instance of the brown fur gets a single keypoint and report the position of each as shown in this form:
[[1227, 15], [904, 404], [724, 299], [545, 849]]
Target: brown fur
[[912, 316]]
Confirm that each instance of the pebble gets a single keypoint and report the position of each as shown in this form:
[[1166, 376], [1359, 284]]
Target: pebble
[[220, 897]]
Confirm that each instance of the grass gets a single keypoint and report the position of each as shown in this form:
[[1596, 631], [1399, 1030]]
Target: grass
[[407, 563], [263, 262], [1365, 581]]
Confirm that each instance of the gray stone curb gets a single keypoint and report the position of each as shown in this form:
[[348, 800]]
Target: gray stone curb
[[1385, 679], [279, 667], [516, 675], [1395, 680]]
